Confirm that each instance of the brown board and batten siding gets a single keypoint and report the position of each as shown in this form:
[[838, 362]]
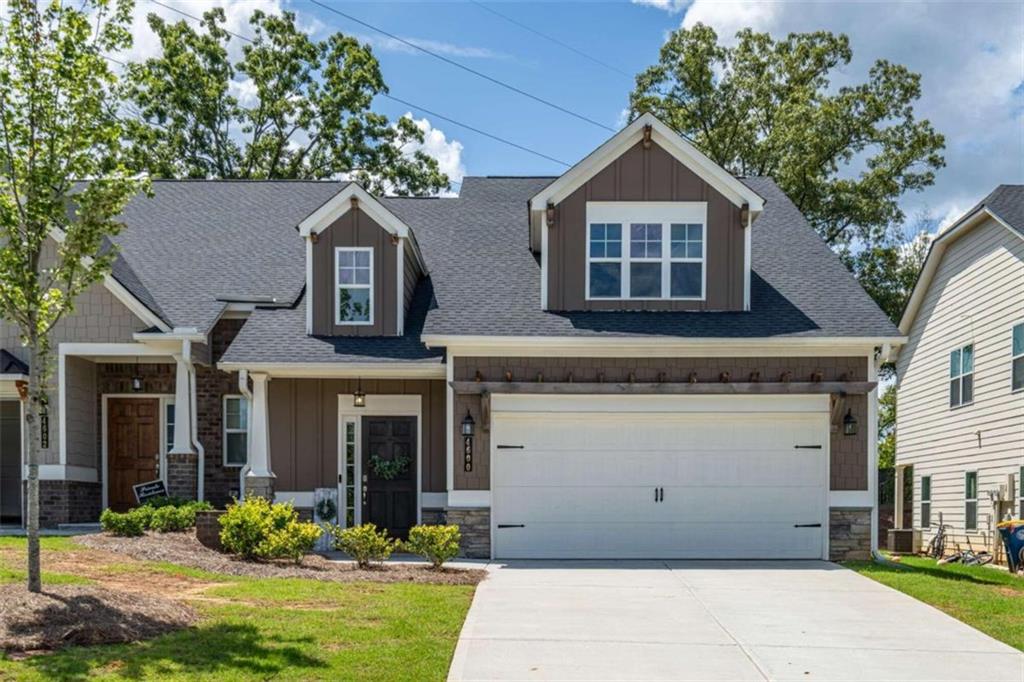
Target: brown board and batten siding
[[848, 467], [304, 429], [645, 175], [412, 275], [355, 228]]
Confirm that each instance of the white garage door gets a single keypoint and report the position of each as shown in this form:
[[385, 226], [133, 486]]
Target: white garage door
[[659, 477]]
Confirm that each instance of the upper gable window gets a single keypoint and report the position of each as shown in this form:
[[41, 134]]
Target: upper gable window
[[961, 376], [664, 254], [1017, 361], [353, 267]]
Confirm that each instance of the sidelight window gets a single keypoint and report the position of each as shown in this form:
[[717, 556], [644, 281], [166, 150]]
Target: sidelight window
[[348, 478]]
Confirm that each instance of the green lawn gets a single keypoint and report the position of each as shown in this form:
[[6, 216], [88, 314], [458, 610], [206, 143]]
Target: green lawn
[[985, 598], [282, 629]]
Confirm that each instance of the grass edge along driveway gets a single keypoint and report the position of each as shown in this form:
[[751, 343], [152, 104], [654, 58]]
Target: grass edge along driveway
[[285, 629], [987, 599]]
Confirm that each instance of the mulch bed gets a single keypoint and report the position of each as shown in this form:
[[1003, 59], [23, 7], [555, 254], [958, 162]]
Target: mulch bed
[[82, 615], [184, 549]]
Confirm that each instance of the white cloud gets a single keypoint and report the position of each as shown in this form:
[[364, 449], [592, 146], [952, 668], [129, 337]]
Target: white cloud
[[970, 59], [435, 143], [386, 44], [671, 6]]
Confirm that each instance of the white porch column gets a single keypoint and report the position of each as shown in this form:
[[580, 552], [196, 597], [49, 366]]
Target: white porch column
[[901, 474], [182, 403], [259, 478]]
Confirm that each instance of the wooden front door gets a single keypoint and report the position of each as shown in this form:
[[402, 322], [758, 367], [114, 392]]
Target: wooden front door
[[133, 447], [389, 473]]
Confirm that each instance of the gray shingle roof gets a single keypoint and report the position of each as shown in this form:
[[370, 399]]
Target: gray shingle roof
[[197, 241], [193, 242], [1007, 202]]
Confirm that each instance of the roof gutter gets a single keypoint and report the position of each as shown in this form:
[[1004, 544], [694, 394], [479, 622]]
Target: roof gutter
[[658, 343]]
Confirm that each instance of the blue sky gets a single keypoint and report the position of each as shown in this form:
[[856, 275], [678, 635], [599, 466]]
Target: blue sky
[[971, 57]]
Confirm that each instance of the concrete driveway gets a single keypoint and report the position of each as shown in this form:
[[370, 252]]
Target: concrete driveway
[[704, 620]]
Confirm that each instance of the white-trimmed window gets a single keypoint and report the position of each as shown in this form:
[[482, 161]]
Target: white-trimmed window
[[646, 250], [971, 500], [1017, 353], [353, 283], [236, 431], [961, 376], [168, 425], [926, 501]]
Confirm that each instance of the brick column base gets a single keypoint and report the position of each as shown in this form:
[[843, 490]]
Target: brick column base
[[208, 529], [475, 527], [182, 475], [849, 535], [260, 486], [67, 502]]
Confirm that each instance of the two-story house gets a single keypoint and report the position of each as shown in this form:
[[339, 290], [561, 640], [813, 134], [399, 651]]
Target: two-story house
[[643, 357], [960, 399]]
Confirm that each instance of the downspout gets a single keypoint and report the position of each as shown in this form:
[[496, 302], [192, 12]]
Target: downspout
[[186, 354], [243, 388]]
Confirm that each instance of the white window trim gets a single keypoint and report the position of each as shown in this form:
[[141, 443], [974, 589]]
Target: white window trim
[[225, 430], [337, 286], [975, 499], [928, 501], [665, 213], [1015, 357], [960, 377]]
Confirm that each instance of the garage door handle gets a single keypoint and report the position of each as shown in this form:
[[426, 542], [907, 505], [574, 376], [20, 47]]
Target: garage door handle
[[511, 525], [807, 447], [807, 525]]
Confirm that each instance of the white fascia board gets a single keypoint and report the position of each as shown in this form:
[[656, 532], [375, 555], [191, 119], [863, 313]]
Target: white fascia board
[[934, 258], [13, 377], [659, 346], [665, 137], [114, 349], [177, 335], [348, 370], [335, 207]]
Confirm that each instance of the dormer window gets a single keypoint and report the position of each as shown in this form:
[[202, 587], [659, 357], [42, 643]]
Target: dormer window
[[664, 257], [354, 285]]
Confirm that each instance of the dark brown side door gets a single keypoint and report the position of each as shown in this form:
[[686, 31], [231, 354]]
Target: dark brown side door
[[389, 502], [133, 447]]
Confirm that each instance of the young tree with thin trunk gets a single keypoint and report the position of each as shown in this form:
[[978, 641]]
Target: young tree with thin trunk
[[62, 183]]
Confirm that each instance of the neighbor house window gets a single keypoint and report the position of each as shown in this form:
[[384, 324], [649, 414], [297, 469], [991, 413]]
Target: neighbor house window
[[639, 251], [1017, 382], [1020, 492], [236, 430], [961, 376], [354, 285], [926, 501], [971, 500]]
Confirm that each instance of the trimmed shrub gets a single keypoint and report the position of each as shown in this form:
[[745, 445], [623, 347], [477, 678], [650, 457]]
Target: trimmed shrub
[[436, 544], [364, 543], [257, 529], [128, 524], [175, 518]]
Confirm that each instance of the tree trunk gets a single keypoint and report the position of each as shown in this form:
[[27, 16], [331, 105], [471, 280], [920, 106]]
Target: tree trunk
[[32, 459]]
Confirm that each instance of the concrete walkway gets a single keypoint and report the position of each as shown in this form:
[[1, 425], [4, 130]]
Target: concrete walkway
[[702, 620]]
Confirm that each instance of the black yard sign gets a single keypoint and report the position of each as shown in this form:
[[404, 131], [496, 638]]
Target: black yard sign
[[144, 492]]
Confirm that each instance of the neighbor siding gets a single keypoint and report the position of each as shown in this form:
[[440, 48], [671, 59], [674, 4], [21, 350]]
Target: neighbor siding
[[976, 296], [645, 175], [355, 228], [848, 454], [98, 318], [304, 429]]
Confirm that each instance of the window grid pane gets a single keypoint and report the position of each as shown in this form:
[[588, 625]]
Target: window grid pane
[[645, 240], [1018, 339], [687, 241]]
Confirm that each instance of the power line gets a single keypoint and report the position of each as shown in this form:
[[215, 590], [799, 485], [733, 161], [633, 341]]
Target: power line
[[462, 66], [556, 41], [476, 130]]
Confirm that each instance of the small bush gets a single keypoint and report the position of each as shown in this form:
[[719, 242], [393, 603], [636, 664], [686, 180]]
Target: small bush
[[128, 524], [171, 519], [436, 544], [364, 543], [257, 529]]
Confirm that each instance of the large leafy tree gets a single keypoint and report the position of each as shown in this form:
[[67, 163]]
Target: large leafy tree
[[844, 155], [284, 106], [58, 127]]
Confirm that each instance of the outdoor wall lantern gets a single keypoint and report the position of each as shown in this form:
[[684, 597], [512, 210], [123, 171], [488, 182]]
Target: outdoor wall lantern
[[359, 397], [849, 424], [468, 426], [137, 379]]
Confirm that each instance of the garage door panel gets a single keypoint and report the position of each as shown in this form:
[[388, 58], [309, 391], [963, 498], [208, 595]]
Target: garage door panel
[[582, 485], [657, 541]]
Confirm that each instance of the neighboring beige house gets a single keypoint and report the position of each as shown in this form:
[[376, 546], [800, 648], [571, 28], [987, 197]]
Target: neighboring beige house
[[960, 417]]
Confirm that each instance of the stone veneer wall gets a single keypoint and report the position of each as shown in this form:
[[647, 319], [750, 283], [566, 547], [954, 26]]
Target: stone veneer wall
[[475, 527], [69, 502], [849, 454], [849, 534]]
